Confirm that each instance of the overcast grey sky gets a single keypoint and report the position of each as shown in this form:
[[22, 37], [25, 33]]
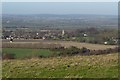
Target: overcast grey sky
[[107, 8]]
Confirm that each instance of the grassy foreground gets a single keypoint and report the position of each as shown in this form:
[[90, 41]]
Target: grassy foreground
[[94, 66]]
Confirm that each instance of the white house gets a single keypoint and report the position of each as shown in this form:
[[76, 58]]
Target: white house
[[105, 42], [85, 35]]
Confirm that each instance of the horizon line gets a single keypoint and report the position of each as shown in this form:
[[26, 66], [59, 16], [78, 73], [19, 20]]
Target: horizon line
[[55, 14]]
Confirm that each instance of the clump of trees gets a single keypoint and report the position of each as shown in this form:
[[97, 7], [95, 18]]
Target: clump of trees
[[95, 35]]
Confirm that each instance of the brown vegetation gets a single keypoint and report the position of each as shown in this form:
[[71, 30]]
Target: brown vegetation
[[49, 43], [31, 45]]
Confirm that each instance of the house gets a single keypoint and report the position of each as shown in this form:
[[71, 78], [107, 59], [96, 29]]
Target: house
[[105, 42], [85, 35], [43, 38]]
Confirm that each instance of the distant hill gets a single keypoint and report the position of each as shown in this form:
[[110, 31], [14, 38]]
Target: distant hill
[[59, 21]]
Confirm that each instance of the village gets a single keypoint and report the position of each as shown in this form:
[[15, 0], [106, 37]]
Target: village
[[80, 35]]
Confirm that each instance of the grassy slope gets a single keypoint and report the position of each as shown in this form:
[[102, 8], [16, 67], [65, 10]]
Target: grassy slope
[[74, 66], [21, 53]]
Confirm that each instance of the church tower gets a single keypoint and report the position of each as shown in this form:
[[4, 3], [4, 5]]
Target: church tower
[[63, 32]]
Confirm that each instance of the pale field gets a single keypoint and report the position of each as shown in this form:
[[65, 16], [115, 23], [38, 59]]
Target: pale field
[[66, 44]]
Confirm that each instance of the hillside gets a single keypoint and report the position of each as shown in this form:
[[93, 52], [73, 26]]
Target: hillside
[[94, 66]]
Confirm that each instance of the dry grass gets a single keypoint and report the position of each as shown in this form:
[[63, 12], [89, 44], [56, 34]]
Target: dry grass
[[65, 44], [79, 60], [72, 66], [87, 45]]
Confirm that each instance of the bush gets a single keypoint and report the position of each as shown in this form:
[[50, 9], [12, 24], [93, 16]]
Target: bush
[[8, 56], [69, 51], [41, 56], [85, 50], [57, 49]]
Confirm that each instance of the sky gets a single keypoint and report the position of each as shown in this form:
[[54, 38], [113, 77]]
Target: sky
[[103, 8], [59, 0]]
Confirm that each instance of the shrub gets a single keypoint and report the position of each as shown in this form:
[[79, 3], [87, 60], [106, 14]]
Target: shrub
[[41, 56], [8, 56], [69, 51], [84, 50]]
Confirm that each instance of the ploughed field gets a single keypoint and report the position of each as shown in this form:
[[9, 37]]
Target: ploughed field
[[53, 43], [93, 66]]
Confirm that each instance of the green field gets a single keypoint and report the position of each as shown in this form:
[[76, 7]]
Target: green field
[[22, 53], [94, 66]]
